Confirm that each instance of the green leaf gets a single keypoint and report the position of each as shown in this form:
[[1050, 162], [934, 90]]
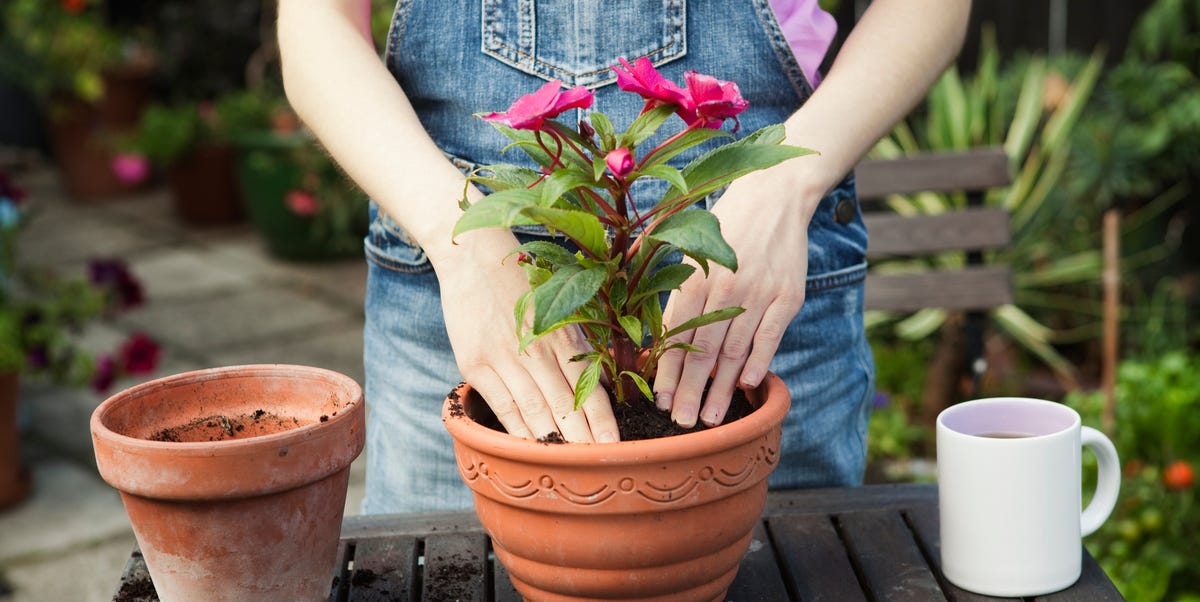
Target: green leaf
[[652, 317], [587, 382], [688, 347], [504, 209], [565, 291], [698, 234], [604, 129], [504, 176], [705, 319], [687, 140], [666, 279], [641, 383], [582, 227], [921, 324], [562, 181], [598, 167], [644, 126], [721, 166], [633, 327], [668, 173], [1029, 112], [519, 310], [548, 251]]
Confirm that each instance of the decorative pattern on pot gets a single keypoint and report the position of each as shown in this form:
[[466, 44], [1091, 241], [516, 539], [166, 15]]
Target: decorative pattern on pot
[[472, 467]]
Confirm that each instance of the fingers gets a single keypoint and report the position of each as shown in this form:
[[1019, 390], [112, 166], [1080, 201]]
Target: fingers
[[735, 353]]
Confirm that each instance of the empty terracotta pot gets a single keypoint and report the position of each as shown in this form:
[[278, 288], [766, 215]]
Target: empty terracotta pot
[[234, 478], [661, 519]]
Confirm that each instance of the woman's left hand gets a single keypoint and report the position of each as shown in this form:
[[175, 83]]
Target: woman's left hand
[[766, 223]]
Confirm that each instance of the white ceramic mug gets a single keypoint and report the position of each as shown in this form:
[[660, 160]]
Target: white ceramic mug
[[1010, 492]]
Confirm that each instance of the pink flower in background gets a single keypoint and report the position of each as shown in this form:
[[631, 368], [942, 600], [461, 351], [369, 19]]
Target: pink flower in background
[[115, 276], [643, 79], [131, 168], [715, 100], [139, 354], [105, 373], [530, 111], [302, 203], [620, 162]]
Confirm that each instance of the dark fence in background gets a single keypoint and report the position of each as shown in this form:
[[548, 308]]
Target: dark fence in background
[[1046, 26]]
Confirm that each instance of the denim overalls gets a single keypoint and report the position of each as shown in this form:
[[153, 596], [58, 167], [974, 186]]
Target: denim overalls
[[454, 58]]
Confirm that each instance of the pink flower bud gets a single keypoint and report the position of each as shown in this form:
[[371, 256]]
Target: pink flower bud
[[620, 162]]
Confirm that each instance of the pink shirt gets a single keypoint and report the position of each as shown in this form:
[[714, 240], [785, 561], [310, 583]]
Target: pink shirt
[[809, 31]]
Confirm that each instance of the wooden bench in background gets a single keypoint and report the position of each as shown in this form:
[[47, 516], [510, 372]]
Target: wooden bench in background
[[975, 288]]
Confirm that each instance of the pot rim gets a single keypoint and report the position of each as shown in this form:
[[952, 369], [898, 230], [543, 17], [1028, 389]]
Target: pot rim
[[228, 447], [775, 403]]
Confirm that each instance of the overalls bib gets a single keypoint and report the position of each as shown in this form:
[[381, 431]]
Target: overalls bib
[[455, 58]]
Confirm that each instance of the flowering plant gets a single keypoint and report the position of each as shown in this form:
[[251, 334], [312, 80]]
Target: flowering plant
[[610, 287], [41, 313]]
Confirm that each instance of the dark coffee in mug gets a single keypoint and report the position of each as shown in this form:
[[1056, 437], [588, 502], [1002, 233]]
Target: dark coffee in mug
[[1004, 435]]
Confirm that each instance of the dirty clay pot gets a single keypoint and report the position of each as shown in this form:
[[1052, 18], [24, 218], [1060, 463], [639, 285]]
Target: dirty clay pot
[[661, 519], [256, 516]]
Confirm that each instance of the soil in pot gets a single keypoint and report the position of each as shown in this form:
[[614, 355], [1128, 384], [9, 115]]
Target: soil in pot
[[636, 421], [220, 427]]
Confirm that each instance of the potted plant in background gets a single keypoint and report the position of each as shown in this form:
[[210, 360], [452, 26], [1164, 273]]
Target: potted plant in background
[[190, 143], [92, 79], [665, 518], [296, 196], [41, 317]]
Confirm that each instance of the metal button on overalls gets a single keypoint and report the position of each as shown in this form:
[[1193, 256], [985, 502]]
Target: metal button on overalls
[[844, 211]]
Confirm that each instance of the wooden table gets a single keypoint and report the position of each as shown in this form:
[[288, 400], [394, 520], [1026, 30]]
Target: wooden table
[[878, 542]]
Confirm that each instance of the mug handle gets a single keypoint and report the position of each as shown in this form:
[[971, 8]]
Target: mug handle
[[1108, 483]]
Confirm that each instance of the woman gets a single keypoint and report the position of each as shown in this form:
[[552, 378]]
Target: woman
[[401, 128]]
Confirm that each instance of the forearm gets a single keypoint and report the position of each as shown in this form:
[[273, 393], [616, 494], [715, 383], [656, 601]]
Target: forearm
[[343, 92], [889, 61]]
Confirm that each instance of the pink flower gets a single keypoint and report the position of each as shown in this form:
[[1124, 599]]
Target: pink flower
[[715, 100], [530, 111], [139, 354], [620, 162], [644, 80], [130, 168], [105, 374], [302, 203]]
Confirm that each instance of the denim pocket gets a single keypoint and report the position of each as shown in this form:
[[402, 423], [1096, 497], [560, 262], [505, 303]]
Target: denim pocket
[[578, 41], [389, 246]]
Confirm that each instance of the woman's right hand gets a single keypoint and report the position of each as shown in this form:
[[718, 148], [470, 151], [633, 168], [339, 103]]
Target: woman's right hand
[[531, 392]]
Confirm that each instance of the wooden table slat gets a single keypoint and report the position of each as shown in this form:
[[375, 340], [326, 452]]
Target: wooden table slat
[[385, 569], [456, 567], [803, 543], [758, 578], [925, 525], [887, 557]]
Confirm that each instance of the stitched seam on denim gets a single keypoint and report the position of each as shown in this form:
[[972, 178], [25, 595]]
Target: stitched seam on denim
[[843, 277], [519, 58], [395, 30], [380, 257], [783, 50]]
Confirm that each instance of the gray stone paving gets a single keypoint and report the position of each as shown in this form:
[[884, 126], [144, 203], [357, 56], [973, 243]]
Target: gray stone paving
[[214, 297]]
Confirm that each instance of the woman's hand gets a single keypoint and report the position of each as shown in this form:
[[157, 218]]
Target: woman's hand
[[768, 229], [532, 393]]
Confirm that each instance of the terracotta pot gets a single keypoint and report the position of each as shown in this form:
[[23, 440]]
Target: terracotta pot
[[14, 476], [662, 519], [205, 187], [255, 516], [83, 152]]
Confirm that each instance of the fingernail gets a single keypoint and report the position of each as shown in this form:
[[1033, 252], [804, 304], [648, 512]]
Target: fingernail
[[750, 380], [662, 401], [685, 424], [606, 437]]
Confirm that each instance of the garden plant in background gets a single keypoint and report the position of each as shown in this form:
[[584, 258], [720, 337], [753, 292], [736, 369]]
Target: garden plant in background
[[43, 314], [1033, 129], [610, 287], [1147, 547]]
